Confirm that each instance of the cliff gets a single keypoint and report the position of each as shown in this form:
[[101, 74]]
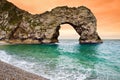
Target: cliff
[[20, 27]]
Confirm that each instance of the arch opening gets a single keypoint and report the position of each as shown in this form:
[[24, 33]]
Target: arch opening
[[66, 32]]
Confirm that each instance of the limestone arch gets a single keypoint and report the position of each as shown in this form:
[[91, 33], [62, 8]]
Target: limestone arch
[[81, 19], [87, 35], [19, 26]]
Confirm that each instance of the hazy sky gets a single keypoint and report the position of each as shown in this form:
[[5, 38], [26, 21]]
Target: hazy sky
[[107, 13]]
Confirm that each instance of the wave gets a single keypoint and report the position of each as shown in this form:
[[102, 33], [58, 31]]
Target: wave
[[4, 56], [41, 68]]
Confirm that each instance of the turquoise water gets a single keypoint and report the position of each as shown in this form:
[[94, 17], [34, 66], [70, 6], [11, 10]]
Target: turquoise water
[[67, 60]]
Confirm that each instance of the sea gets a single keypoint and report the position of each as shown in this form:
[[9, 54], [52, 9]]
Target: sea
[[66, 60]]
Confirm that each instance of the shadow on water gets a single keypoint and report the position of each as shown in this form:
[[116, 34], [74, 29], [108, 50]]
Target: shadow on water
[[86, 54], [35, 51]]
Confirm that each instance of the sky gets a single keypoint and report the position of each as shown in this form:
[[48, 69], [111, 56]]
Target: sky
[[107, 13]]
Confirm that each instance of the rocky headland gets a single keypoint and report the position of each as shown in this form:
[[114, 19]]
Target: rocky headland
[[20, 27]]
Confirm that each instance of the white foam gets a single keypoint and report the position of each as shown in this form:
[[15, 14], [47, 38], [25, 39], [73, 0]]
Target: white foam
[[60, 72], [4, 56], [12, 59]]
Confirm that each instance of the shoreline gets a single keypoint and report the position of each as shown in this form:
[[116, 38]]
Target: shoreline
[[4, 43], [9, 72]]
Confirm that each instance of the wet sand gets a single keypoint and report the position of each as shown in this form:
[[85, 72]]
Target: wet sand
[[9, 72]]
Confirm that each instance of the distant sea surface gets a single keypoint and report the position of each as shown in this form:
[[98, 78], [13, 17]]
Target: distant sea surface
[[67, 60]]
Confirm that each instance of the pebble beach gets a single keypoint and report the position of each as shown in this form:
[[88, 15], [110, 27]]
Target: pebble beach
[[9, 72]]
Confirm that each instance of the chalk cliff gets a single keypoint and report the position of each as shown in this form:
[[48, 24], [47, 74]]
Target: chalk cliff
[[20, 27]]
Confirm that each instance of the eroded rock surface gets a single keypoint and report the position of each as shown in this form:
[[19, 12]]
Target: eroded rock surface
[[19, 26]]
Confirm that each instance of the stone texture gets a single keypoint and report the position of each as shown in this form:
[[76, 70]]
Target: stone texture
[[19, 26]]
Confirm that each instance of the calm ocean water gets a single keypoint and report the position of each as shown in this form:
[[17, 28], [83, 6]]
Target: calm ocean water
[[67, 60]]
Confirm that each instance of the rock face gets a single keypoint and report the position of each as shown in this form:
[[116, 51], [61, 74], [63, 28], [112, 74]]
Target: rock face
[[20, 27]]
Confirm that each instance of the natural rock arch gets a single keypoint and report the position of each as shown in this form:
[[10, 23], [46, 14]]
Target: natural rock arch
[[57, 33], [19, 26]]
